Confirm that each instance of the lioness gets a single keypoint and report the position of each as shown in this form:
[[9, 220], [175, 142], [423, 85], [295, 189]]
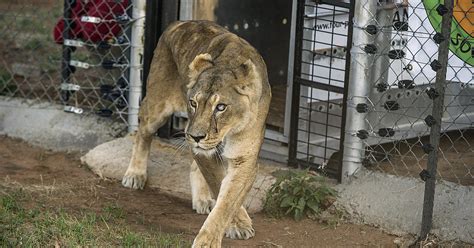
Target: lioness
[[222, 82]]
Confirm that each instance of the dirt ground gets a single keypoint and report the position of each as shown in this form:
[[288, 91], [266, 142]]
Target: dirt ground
[[73, 187]]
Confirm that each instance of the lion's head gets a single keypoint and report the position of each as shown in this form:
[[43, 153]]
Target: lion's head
[[221, 102]]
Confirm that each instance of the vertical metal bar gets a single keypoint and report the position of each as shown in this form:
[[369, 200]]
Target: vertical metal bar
[[290, 81], [359, 87], [168, 14], [186, 10], [295, 103], [65, 68], [152, 27], [136, 64], [350, 30], [435, 132]]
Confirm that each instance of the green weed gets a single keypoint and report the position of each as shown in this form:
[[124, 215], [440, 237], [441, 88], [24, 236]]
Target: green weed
[[297, 193]]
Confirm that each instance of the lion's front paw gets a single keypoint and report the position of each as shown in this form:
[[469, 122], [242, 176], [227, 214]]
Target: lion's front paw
[[207, 239], [235, 231], [203, 206], [134, 180]]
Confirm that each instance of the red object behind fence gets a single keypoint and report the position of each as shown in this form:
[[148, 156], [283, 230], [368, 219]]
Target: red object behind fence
[[106, 28]]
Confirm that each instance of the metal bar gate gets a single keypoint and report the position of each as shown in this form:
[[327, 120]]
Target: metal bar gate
[[321, 73]]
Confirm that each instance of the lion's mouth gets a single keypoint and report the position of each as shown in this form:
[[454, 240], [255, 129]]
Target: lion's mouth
[[207, 148], [204, 148]]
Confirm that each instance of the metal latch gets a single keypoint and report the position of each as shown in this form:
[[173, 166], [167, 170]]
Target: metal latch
[[72, 109], [73, 43], [79, 64], [91, 19], [70, 87]]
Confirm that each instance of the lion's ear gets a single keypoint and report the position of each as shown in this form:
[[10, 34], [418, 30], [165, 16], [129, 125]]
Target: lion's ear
[[250, 85], [199, 64]]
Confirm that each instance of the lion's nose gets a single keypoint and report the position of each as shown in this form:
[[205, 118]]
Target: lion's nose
[[197, 138]]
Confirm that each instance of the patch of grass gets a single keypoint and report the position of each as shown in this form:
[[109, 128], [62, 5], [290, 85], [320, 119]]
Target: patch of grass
[[38, 227], [112, 211], [298, 193]]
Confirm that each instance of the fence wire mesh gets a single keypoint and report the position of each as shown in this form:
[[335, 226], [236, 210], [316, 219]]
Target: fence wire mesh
[[404, 52], [81, 61], [399, 60]]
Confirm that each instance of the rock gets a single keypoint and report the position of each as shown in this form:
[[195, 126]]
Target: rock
[[168, 169], [25, 70]]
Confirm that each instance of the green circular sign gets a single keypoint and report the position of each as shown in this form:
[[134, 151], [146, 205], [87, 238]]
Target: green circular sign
[[462, 30]]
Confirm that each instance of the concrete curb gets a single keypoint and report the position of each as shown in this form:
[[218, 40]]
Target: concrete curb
[[396, 203], [48, 126]]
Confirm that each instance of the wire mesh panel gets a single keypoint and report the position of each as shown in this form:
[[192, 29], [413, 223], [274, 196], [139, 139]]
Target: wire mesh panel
[[74, 52], [95, 70], [406, 36], [29, 61], [322, 45]]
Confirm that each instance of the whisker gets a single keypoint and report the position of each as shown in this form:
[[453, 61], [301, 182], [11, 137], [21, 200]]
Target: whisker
[[180, 145], [178, 134], [220, 160]]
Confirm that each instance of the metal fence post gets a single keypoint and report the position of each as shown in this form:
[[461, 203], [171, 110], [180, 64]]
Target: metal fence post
[[136, 63], [382, 41], [359, 86], [65, 68], [441, 64]]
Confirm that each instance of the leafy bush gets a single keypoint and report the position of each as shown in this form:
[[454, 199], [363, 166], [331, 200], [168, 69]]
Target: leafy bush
[[298, 193]]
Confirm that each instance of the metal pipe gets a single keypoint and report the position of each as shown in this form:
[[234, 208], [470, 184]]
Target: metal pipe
[[136, 63], [186, 10], [350, 32], [382, 41], [359, 87], [291, 62]]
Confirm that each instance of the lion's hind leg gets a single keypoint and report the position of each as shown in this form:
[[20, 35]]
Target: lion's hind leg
[[163, 98], [136, 175]]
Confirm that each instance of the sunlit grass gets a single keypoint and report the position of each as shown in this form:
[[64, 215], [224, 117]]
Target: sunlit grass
[[40, 227]]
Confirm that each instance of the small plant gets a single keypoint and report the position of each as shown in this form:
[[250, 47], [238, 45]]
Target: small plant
[[298, 193]]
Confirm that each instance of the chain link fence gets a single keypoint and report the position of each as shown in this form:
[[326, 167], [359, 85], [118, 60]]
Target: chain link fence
[[29, 64], [387, 85], [404, 37], [74, 52], [418, 107]]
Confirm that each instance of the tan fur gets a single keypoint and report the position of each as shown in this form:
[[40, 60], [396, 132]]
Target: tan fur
[[222, 82]]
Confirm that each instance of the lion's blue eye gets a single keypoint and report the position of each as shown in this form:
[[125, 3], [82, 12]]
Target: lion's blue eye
[[221, 107], [192, 103]]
